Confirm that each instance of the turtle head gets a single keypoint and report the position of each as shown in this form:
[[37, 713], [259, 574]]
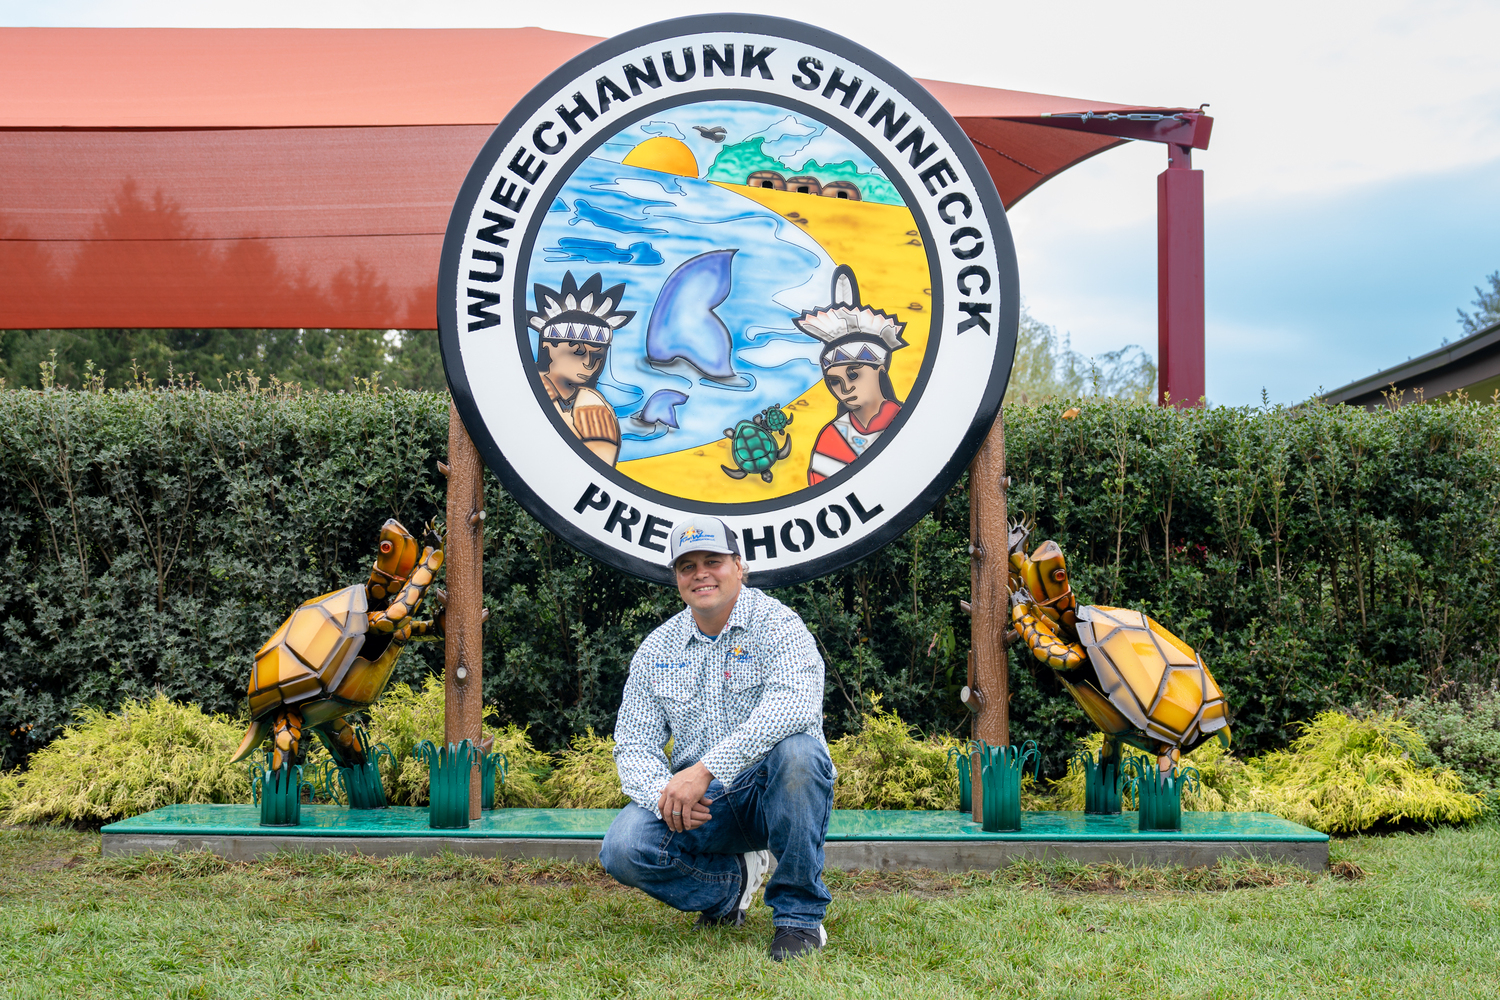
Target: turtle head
[[1052, 568], [393, 562]]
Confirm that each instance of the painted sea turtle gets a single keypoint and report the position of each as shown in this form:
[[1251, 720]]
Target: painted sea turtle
[[334, 654], [777, 419], [752, 444], [1147, 688]]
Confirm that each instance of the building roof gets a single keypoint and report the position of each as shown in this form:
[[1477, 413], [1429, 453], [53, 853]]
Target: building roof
[[304, 177], [1471, 364]]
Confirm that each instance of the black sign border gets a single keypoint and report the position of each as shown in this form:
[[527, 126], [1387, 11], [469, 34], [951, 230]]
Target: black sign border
[[1007, 281]]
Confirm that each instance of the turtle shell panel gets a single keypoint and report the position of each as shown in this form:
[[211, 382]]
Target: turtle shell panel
[[753, 447], [311, 649], [1152, 677]]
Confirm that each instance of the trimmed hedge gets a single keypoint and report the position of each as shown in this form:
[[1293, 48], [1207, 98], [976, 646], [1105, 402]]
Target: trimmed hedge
[[1317, 557]]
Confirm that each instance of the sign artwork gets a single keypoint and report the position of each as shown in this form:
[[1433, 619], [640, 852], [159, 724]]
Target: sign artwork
[[732, 265]]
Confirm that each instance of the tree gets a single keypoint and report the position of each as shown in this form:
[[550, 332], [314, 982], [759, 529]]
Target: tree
[[326, 359], [1046, 367], [1486, 304]]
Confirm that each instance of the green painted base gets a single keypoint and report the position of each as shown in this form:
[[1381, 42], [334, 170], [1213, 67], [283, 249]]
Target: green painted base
[[590, 824]]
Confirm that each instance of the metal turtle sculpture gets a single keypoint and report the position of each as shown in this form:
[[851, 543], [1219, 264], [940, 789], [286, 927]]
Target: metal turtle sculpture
[[334, 654], [752, 444], [1139, 683]]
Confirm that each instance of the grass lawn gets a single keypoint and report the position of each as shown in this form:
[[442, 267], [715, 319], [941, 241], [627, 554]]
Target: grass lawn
[[1422, 921]]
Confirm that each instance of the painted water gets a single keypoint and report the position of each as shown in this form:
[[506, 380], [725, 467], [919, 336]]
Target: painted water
[[719, 345]]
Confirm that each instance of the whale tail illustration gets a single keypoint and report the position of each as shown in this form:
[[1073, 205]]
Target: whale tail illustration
[[683, 324]]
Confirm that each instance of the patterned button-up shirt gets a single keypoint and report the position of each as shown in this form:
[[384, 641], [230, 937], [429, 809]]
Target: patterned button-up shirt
[[724, 701]]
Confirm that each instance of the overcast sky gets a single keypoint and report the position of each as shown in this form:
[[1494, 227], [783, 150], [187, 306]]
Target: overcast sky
[[1353, 180]]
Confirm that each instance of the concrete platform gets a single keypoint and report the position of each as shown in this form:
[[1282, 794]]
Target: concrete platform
[[871, 839]]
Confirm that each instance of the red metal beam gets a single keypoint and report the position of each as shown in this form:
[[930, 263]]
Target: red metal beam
[[1182, 128], [1180, 376], [1179, 281]]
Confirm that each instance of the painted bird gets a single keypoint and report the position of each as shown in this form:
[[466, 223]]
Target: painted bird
[[716, 134]]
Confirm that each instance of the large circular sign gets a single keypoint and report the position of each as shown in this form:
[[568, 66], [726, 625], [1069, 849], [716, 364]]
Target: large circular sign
[[732, 265]]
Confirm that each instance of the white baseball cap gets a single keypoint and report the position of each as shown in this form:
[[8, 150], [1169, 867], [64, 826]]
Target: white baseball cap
[[703, 534]]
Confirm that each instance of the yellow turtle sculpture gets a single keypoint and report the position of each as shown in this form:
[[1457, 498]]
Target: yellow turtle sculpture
[[1139, 683], [334, 654]]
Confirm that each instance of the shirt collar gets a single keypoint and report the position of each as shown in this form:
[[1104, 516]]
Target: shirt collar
[[739, 617], [880, 421]]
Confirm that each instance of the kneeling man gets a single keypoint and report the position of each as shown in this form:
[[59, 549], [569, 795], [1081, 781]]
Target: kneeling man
[[736, 682]]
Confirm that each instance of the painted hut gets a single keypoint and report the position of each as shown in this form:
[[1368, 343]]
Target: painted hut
[[841, 189], [766, 179], [804, 184]]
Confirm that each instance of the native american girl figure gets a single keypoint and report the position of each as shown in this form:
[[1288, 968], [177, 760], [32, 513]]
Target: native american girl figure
[[857, 346], [574, 327]]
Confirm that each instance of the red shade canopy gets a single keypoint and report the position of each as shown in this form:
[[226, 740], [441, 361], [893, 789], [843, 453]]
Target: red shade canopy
[[287, 177]]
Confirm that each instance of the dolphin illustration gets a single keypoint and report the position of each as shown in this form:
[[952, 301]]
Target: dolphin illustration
[[683, 324]]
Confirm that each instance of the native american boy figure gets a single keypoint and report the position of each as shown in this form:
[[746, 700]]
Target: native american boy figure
[[574, 327], [857, 346]]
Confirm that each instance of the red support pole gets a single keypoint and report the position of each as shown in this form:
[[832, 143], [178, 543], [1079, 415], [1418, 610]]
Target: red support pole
[[1179, 280]]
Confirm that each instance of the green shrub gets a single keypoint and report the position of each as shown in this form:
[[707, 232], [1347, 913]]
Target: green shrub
[[109, 766], [404, 717], [1344, 774], [1221, 777], [401, 719], [151, 754], [886, 766], [1463, 733], [526, 784], [584, 776], [1314, 556]]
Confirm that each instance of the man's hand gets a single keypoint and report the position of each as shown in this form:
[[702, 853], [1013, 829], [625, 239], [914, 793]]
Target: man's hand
[[682, 804]]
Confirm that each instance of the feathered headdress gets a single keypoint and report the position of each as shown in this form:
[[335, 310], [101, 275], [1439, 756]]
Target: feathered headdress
[[586, 314], [854, 334]]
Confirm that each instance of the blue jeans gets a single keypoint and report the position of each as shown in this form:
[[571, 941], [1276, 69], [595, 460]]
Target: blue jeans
[[781, 804]]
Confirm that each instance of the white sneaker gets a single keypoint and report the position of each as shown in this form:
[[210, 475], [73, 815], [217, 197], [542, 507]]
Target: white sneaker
[[757, 864]]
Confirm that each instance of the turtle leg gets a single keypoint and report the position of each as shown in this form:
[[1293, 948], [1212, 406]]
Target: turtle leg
[[786, 447], [405, 604], [286, 738], [1039, 634], [342, 741], [426, 630], [733, 473], [1167, 757], [431, 629], [1109, 751], [766, 475]]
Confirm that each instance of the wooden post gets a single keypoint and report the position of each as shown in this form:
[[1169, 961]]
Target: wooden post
[[463, 687], [989, 598]]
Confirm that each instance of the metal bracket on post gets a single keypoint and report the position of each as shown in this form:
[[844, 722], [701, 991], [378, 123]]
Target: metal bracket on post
[[972, 697]]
